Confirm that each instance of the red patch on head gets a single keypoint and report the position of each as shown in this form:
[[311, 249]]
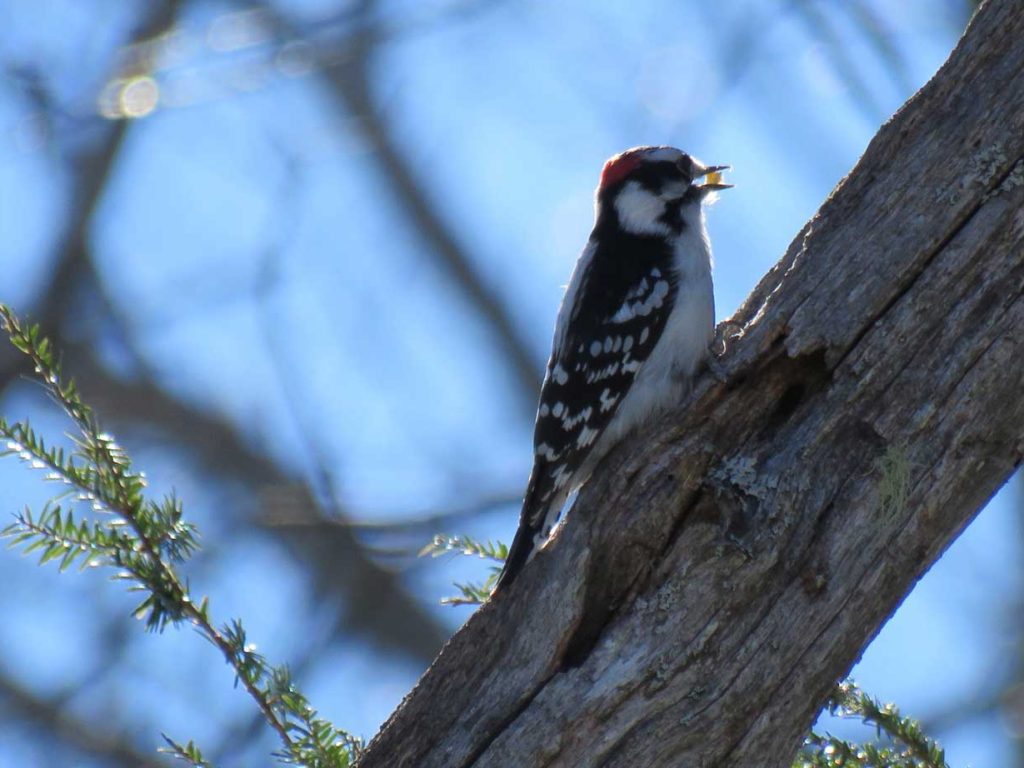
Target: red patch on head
[[616, 169]]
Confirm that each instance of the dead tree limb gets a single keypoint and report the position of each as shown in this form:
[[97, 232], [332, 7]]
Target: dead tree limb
[[873, 404]]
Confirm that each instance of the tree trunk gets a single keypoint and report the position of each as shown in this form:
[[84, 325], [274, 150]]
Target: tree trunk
[[725, 568]]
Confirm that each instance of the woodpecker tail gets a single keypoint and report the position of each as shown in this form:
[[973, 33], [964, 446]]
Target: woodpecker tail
[[531, 524], [518, 554]]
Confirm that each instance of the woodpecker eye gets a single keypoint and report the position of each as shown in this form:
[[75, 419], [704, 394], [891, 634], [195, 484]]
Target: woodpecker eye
[[685, 166]]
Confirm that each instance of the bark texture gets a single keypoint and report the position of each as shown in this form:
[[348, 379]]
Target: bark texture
[[725, 568]]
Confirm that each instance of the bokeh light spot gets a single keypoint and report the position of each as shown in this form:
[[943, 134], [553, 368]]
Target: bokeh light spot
[[139, 96], [129, 97], [677, 84]]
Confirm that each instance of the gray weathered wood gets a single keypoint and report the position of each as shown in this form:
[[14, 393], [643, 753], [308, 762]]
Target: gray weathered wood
[[725, 568]]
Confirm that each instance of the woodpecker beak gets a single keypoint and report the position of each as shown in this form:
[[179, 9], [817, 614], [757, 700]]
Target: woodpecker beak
[[712, 176]]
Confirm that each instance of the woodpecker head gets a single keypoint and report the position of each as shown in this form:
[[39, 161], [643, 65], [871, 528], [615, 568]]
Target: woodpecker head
[[656, 190]]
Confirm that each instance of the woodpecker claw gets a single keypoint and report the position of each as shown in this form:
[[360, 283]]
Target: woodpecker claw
[[725, 333]]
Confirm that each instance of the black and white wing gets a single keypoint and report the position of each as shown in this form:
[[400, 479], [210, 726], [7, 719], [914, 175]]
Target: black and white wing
[[614, 311]]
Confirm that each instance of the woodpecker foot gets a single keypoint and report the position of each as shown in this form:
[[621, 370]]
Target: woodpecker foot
[[724, 335]]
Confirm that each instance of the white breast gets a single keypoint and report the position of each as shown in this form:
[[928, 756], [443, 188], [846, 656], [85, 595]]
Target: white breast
[[665, 376]]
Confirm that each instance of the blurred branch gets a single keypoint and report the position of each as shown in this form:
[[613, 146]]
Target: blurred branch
[[966, 710], [145, 541], [401, 539], [345, 572], [880, 38], [363, 588], [350, 81], [320, 476], [430, 521], [821, 27], [372, 598], [91, 167], [91, 171], [50, 716]]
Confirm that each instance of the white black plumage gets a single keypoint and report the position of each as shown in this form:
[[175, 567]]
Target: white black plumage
[[636, 321]]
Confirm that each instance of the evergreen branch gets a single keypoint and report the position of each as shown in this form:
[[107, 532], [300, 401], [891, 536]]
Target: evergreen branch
[[915, 750], [189, 753], [60, 536], [850, 701], [471, 594], [144, 539], [442, 544]]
